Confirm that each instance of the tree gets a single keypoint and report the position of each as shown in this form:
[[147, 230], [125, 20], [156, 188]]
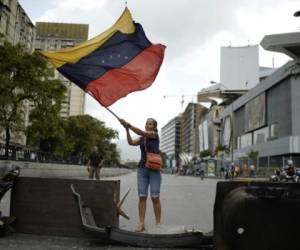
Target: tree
[[23, 77], [205, 153], [47, 129], [222, 148], [84, 132], [252, 155], [48, 135], [164, 158]]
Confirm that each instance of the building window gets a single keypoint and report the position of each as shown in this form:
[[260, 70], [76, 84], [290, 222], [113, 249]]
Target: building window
[[238, 142], [246, 140], [273, 131], [227, 131], [7, 25], [261, 135], [255, 113]]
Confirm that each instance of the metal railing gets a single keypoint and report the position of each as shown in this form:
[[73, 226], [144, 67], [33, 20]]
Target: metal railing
[[22, 153]]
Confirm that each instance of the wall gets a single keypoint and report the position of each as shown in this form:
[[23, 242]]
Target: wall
[[239, 67]]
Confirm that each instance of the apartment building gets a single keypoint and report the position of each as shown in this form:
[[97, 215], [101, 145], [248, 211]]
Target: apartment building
[[17, 28], [170, 141], [55, 36], [16, 25], [189, 136]]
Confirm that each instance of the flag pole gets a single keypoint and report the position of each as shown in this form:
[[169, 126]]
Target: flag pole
[[112, 113]]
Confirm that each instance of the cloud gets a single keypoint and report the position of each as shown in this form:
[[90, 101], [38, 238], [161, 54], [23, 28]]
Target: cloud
[[77, 11], [86, 5], [193, 32]]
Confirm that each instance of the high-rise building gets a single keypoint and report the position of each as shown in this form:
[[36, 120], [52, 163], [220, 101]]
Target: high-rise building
[[170, 141], [55, 36], [16, 25], [189, 135], [17, 28], [266, 120]]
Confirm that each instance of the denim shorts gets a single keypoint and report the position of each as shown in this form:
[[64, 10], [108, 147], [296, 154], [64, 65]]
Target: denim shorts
[[146, 178]]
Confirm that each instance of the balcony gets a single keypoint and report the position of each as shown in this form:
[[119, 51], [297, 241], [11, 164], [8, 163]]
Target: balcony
[[4, 6]]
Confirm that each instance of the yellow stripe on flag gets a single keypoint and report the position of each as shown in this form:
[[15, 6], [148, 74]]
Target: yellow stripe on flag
[[71, 55]]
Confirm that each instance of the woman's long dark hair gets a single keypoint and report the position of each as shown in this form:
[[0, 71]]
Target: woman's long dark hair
[[155, 124]]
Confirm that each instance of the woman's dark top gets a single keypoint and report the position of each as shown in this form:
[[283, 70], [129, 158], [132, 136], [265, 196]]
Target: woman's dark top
[[152, 147]]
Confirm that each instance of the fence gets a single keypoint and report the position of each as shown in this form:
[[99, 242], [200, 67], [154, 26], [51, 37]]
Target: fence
[[22, 153]]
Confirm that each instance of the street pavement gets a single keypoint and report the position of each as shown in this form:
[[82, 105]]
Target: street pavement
[[186, 201]]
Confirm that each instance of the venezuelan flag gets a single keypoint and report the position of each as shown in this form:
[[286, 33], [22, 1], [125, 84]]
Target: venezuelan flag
[[113, 64]]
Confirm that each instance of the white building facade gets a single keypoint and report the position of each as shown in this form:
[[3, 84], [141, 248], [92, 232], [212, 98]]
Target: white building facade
[[170, 141], [239, 67]]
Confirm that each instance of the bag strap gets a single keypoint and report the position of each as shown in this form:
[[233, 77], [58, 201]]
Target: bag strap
[[145, 144]]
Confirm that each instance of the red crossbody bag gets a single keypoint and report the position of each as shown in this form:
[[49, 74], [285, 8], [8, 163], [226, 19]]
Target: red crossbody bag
[[153, 160]]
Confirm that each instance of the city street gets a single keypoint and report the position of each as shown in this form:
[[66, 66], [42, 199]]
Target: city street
[[200, 89], [185, 201]]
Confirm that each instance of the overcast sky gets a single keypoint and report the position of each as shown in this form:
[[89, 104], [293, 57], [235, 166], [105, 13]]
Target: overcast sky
[[192, 30]]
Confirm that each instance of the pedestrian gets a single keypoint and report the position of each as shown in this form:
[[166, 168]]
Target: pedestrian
[[145, 177], [245, 170], [227, 172], [222, 172], [290, 169], [252, 170], [95, 163], [232, 169], [237, 171]]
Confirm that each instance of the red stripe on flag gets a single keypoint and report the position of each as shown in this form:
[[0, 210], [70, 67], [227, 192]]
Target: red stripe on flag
[[138, 74]]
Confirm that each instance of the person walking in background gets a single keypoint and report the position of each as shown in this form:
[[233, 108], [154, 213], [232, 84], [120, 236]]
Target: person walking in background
[[290, 169], [95, 163], [145, 177], [227, 172], [222, 172], [232, 170], [252, 170], [245, 170], [237, 171], [203, 169]]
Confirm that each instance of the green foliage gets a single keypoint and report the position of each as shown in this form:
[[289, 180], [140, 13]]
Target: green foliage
[[205, 153], [74, 138], [24, 78], [253, 155], [243, 158], [222, 148], [83, 132], [164, 159]]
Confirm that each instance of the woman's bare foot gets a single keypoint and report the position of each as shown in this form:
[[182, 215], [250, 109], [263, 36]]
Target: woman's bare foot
[[140, 228]]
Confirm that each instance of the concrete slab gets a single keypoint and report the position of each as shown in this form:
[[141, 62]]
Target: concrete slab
[[47, 206]]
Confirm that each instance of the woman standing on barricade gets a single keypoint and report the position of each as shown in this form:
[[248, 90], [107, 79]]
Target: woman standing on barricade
[[149, 143]]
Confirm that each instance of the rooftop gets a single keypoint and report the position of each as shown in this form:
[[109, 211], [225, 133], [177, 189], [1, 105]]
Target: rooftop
[[62, 30]]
